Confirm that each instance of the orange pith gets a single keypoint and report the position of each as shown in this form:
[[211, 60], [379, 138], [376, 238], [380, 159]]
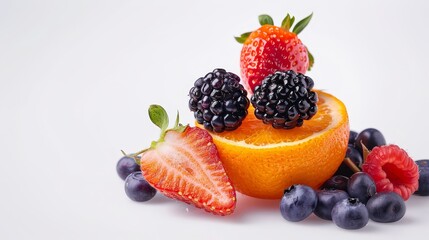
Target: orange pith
[[262, 161]]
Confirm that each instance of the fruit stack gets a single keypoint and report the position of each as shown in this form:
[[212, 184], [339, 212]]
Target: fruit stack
[[270, 134]]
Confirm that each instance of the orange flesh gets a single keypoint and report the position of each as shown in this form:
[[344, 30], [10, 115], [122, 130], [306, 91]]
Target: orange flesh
[[254, 131], [262, 161]]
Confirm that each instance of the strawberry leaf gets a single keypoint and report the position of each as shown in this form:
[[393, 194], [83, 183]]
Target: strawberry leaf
[[287, 22], [176, 123], [310, 60], [302, 24], [265, 19], [177, 126], [243, 37], [159, 117]]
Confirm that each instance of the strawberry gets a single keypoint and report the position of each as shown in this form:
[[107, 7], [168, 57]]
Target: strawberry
[[184, 164], [271, 48]]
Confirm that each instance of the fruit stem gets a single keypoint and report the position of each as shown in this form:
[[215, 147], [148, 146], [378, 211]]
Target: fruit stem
[[140, 152], [134, 156], [137, 160], [161, 139], [122, 151], [365, 152], [351, 165]]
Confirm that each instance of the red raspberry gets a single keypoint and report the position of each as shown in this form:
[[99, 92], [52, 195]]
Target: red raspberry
[[392, 170]]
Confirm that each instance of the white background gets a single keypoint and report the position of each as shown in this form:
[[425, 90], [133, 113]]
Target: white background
[[77, 77]]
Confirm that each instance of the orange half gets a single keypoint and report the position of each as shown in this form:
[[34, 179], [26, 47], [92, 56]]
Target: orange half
[[262, 161]]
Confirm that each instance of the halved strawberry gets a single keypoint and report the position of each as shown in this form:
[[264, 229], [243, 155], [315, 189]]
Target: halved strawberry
[[184, 164]]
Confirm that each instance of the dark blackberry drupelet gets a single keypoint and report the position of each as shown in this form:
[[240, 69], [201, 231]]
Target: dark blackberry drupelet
[[284, 99], [219, 101]]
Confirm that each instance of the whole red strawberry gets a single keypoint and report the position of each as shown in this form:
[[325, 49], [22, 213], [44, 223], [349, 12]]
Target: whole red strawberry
[[184, 164], [271, 48]]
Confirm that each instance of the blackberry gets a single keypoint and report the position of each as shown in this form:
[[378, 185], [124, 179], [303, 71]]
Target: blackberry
[[284, 99], [219, 101]]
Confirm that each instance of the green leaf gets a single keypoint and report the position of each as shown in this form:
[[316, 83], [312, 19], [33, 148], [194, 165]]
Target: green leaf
[[288, 22], [243, 37], [158, 116], [176, 123], [265, 19], [292, 21], [310, 60], [178, 127], [302, 24]]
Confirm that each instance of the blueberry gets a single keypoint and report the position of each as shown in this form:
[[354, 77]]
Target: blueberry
[[338, 182], [350, 213], [386, 207], [298, 202], [361, 186], [423, 189], [125, 166], [369, 137], [353, 154], [326, 199], [137, 188], [352, 137]]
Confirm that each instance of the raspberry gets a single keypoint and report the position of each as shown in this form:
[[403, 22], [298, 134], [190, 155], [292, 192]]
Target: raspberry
[[392, 170]]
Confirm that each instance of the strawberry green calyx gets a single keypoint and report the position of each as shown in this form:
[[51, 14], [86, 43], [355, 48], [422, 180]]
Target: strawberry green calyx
[[243, 37], [159, 117], [265, 19], [301, 24], [287, 24], [310, 60]]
